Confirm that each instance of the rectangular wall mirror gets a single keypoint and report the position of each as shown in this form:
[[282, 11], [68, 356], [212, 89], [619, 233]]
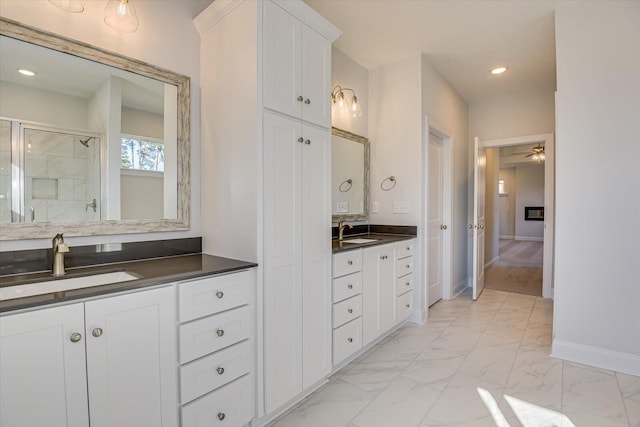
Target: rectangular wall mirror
[[91, 142], [350, 176]]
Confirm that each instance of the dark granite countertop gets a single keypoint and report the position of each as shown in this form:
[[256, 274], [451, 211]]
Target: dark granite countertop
[[151, 272], [380, 238]]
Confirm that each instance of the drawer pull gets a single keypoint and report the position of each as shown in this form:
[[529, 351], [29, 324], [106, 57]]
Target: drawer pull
[[97, 332], [349, 286], [408, 266], [220, 370], [384, 257], [408, 248], [350, 339], [349, 310], [221, 416], [350, 262], [219, 294], [307, 101], [408, 283], [407, 305], [75, 337], [299, 98], [220, 332]]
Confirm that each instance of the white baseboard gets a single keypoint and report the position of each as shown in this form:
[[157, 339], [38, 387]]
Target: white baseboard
[[419, 317], [626, 363], [493, 261], [530, 239], [460, 287], [506, 237]]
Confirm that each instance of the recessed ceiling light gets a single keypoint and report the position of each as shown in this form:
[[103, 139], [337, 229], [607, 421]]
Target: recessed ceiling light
[[26, 72], [498, 70]]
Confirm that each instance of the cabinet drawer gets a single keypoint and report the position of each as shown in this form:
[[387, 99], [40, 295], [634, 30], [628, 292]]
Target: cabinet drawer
[[211, 295], [204, 375], [347, 310], [404, 284], [347, 286], [404, 305], [404, 266], [347, 339], [229, 406], [404, 248], [210, 334], [347, 262]]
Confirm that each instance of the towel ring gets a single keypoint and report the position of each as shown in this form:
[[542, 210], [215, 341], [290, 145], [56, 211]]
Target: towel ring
[[345, 185], [391, 185]]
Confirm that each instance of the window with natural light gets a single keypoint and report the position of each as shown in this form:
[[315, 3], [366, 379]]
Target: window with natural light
[[138, 153], [501, 189]]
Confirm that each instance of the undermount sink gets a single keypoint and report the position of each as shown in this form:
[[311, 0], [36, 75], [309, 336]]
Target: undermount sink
[[359, 241], [60, 285]]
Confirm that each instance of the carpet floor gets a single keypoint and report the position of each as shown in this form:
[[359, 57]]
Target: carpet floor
[[518, 270]]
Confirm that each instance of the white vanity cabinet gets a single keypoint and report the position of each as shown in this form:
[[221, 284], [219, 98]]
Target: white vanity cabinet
[[347, 304], [110, 361], [215, 350], [379, 298], [404, 278], [297, 67]]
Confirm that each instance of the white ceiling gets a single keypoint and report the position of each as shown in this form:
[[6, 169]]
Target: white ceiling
[[462, 39]]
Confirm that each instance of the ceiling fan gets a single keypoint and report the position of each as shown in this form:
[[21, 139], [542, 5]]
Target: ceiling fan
[[537, 152]]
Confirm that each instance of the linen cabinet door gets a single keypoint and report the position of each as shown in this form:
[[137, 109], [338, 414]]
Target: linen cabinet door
[[316, 77], [281, 80], [131, 359], [316, 254], [42, 368], [282, 260]]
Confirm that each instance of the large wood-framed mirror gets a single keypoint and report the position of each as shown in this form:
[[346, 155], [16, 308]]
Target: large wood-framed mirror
[[95, 143], [349, 176]]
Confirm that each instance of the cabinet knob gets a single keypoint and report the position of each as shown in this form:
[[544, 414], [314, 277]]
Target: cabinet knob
[[97, 332], [350, 339], [75, 337], [221, 416], [220, 332], [301, 139], [307, 141], [349, 286], [307, 101], [408, 248], [350, 262], [349, 310], [219, 294], [220, 370], [407, 305], [408, 265], [299, 99], [408, 283]]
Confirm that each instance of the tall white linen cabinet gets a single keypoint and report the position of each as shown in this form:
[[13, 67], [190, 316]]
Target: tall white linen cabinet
[[266, 174]]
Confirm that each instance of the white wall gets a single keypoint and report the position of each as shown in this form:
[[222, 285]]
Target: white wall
[[597, 292], [492, 215], [142, 123], [529, 192], [142, 195], [508, 204], [348, 73], [166, 37]]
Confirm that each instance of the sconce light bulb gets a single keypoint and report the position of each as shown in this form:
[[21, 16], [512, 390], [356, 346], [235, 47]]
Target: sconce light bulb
[[356, 110], [341, 99], [121, 15]]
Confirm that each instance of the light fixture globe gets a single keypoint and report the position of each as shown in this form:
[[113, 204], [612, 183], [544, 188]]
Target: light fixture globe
[[121, 16], [75, 6]]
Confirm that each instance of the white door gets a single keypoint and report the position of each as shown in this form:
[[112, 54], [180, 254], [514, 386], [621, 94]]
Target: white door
[[316, 77], [479, 166], [43, 378], [436, 226], [282, 84], [283, 143], [131, 359], [316, 254]]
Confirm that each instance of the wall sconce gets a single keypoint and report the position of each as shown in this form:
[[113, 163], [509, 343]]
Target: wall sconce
[[337, 99], [75, 6], [121, 16]]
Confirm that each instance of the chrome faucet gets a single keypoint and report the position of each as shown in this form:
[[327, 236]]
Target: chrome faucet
[[59, 249], [341, 227]]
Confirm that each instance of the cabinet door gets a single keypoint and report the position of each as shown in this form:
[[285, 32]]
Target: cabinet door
[[316, 77], [131, 359], [378, 291], [282, 260], [43, 372], [316, 254], [281, 81]]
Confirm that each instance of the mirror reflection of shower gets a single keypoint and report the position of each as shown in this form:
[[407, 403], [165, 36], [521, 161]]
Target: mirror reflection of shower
[[54, 174]]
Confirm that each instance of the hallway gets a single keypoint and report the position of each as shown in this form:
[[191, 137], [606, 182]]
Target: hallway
[[519, 268], [480, 363]]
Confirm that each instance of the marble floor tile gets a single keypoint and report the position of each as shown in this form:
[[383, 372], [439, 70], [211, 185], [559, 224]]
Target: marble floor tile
[[581, 418], [491, 363], [378, 370], [630, 390], [591, 391], [435, 367], [538, 333], [403, 403]]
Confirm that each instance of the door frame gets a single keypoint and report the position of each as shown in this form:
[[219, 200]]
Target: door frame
[[549, 198], [432, 126]]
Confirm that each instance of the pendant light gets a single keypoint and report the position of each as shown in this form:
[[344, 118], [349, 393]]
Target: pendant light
[[121, 16], [75, 6]]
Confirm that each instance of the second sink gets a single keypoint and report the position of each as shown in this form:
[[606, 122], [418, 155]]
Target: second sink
[[359, 241]]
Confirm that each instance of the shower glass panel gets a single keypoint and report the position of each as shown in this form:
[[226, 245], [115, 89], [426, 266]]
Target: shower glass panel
[[5, 171]]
